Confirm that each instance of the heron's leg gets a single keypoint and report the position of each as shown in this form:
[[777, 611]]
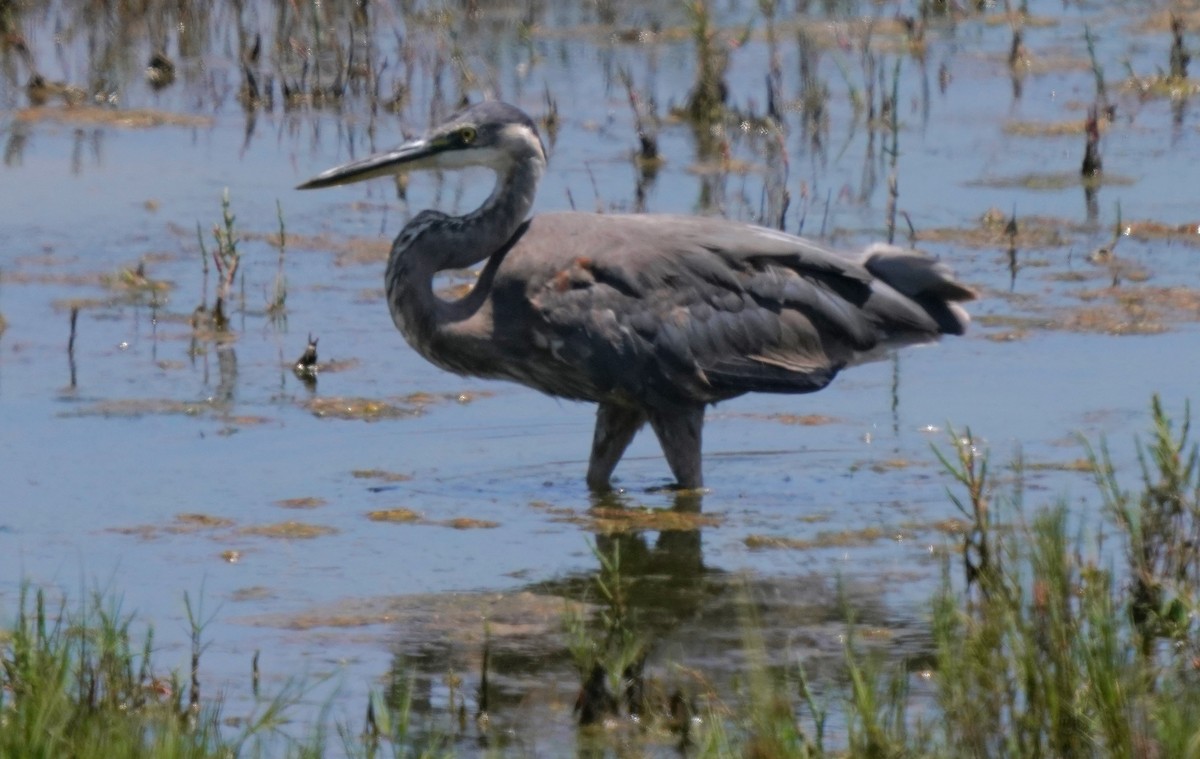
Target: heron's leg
[[679, 435], [615, 428]]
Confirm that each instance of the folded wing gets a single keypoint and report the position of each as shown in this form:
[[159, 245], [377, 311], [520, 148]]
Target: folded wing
[[680, 310]]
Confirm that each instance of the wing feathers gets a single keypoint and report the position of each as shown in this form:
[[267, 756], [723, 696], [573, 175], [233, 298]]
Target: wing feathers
[[685, 309]]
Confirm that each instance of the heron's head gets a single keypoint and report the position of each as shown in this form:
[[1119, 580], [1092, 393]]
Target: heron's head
[[491, 134]]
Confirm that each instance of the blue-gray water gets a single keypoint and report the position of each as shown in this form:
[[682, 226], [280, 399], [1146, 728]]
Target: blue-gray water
[[156, 426]]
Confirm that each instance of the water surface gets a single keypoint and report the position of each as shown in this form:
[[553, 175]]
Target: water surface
[[102, 450]]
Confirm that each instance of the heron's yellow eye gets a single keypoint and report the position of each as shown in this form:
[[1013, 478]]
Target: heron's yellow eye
[[467, 135]]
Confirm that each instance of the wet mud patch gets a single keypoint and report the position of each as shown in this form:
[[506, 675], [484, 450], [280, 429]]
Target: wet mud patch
[[363, 409], [1122, 310], [182, 524], [347, 250], [1034, 63], [401, 515], [994, 231], [397, 515], [1053, 181], [799, 420], [92, 115], [615, 520], [468, 523], [306, 502], [1068, 128], [1073, 465], [840, 539], [1113, 319], [72, 279], [126, 287], [951, 527], [451, 617], [1123, 305], [252, 593], [1178, 303], [1160, 85], [134, 408], [858, 538], [380, 475], [290, 530], [1149, 230], [880, 466], [144, 531], [373, 409], [135, 282], [190, 522], [338, 365], [441, 638]]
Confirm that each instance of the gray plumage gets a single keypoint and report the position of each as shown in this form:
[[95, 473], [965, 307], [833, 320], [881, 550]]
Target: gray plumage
[[653, 317]]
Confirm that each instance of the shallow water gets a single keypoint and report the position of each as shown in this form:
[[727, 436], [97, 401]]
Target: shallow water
[[101, 451]]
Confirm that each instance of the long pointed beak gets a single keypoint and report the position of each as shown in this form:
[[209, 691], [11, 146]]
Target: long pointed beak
[[389, 163]]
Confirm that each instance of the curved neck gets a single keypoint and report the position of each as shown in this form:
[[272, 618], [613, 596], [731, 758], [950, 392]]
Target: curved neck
[[433, 242]]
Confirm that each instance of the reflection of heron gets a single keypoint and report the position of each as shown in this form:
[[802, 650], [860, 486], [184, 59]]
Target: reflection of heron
[[651, 317]]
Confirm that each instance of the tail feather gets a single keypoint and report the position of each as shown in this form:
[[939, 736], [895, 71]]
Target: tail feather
[[924, 280]]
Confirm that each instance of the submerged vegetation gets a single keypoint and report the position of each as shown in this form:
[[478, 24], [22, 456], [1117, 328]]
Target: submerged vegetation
[[1044, 644]]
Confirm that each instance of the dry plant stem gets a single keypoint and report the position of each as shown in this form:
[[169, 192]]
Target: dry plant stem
[[1092, 164], [226, 260], [1097, 71], [893, 154], [1010, 231], [648, 156], [278, 306], [1179, 57]]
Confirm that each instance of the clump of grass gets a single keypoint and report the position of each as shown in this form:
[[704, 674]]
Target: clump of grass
[[75, 684], [389, 728], [878, 703], [970, 469], [611, 658], [80, 683], [1046, 645], [1058, 655]]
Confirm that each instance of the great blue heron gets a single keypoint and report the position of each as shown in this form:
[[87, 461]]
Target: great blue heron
[[652, 317]]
